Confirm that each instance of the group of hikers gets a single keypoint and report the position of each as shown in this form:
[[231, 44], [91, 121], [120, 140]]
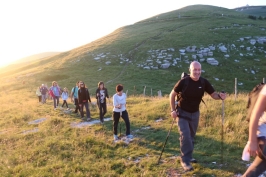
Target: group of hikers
[[80, 96], [54, 92], [185, 112]]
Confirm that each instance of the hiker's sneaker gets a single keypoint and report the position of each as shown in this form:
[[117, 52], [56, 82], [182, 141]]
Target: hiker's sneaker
[[88, 119], [186, 166], [101, 120], [193, 160], [116, 137], [130, 136]]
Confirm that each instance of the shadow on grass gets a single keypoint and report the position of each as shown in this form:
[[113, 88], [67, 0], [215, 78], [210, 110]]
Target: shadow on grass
[[212, 155]]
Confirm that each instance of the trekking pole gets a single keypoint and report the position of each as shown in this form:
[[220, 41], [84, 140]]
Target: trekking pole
[[166, 140], [222, 133], [120, 123]]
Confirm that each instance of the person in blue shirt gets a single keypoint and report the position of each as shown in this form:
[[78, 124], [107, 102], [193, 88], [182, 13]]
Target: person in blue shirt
[[74, 96]]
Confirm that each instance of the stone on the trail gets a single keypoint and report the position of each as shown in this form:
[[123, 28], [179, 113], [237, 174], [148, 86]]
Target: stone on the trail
[[37, 121], [30, 131], [89, 123]]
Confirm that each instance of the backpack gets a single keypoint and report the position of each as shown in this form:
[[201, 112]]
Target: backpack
[[180, 95], [252, 98]]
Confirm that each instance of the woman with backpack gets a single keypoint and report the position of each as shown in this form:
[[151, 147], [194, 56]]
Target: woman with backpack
[[101, 95], [84, 99], [257, 133]]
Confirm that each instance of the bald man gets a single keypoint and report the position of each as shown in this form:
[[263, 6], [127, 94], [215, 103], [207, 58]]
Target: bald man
[[187, 109]]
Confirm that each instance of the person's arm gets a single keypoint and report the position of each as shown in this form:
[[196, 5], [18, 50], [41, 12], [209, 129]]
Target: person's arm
[[96, 94], [107, 95], [115, 103], [79, 98], [172, 103], [89, 98], [71, 94], [257, 112]]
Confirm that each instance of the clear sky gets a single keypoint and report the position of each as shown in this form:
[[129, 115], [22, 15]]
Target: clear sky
[[30, 27]]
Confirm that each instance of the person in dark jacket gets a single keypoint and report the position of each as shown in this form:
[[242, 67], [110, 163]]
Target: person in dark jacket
[[83, 100], [101, 95], [187, 110]]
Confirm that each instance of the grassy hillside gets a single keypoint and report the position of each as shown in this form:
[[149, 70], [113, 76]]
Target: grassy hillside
[[55, 148], [36, 57], [21, 63], [39, 141], [127, 50]]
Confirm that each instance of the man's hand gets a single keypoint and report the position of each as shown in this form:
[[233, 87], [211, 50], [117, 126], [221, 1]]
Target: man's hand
[[222, 95], [174, 114], [253, 148]]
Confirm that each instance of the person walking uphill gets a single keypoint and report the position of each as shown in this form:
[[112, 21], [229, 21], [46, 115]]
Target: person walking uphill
[[119, 110], [257, 136], [101, 95], [44, 91], [187, 109], [74, 93], [55, 91], [65, 97], [39, 94], [83, 100]]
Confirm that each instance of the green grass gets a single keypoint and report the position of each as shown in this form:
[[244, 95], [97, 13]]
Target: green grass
[[57, 149]]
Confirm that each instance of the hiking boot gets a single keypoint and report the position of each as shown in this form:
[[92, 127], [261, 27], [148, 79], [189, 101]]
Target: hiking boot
[[130, 136], [116, 137], [186, 166], [88, 119], [193, 160]]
